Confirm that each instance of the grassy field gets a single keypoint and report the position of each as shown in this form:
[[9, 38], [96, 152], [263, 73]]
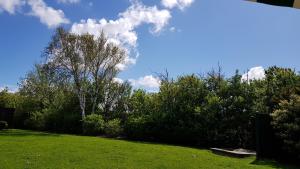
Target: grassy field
[[31, 150]]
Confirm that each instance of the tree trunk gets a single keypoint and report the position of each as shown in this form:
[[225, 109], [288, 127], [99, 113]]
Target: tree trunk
[[82, 104], [82, 113], [94, 103]]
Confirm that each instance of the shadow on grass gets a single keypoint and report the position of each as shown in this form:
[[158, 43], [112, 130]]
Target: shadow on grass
[[260, 162], [22, 133], [273, 164], [161, 143]]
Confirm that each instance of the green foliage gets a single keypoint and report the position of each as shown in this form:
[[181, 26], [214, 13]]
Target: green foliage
[[8, 100], [113, 128], [140, 103], [114, 100], [3, 125], [281, 83], [135, 127], [35, 121], [286, 122], [62, 114], [93, 124], [209, 111]]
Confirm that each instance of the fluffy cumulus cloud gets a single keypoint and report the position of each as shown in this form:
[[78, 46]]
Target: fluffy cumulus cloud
[[47, 15], [181, 4], [148, 82], [255, 73], [11, 6], [68, 1], [122, 30]]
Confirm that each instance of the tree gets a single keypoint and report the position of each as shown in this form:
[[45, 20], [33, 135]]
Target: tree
[[8, 100], [40, 84], [286, 122], [86, 60], [114, 99], [102, 60], [281, 83]]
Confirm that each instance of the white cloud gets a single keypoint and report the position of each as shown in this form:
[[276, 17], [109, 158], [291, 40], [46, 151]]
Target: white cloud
[[122, 30], [11, 6], [255, 73], [118, 80], [68, 1], [47, 15], [181, 4], [147, 82], [128, 61]]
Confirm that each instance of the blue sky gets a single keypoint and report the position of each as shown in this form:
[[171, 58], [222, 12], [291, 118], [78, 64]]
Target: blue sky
[[182, 36]]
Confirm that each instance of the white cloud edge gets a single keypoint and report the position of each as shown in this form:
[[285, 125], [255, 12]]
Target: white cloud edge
[[146, 82], [47, 15], [68, 1], [255, 73], [11, 6], [38, 8], [181, 4]]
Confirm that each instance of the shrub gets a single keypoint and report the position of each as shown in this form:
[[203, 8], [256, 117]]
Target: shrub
[[135, 128], [36, 121], [113, 128], [286, 122], [93, 124], [3, 125]]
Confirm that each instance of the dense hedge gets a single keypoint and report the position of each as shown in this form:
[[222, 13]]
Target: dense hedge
[[93, 125]]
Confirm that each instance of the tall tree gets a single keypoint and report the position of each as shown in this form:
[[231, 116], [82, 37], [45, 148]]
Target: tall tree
[[102, 60], [87, 60]]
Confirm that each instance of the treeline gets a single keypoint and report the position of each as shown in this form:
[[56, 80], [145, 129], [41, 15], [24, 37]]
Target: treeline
[[74, 92]]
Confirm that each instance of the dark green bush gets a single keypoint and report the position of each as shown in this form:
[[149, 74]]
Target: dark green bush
[[135, 127], [286, 122], [3, 125], [93, 125], [113, 128], [35, 121]]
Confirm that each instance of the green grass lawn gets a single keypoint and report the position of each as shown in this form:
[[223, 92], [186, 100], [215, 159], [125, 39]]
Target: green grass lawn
[[21, 149]]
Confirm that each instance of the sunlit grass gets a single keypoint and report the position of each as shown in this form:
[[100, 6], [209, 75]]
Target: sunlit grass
[[21, 149]]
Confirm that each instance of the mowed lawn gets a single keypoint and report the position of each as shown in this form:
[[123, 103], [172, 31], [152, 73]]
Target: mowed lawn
[[21, 149]]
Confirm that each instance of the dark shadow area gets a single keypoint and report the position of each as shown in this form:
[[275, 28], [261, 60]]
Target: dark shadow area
[[7, 114], [155, 142], [22, 133], [274, 164]]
